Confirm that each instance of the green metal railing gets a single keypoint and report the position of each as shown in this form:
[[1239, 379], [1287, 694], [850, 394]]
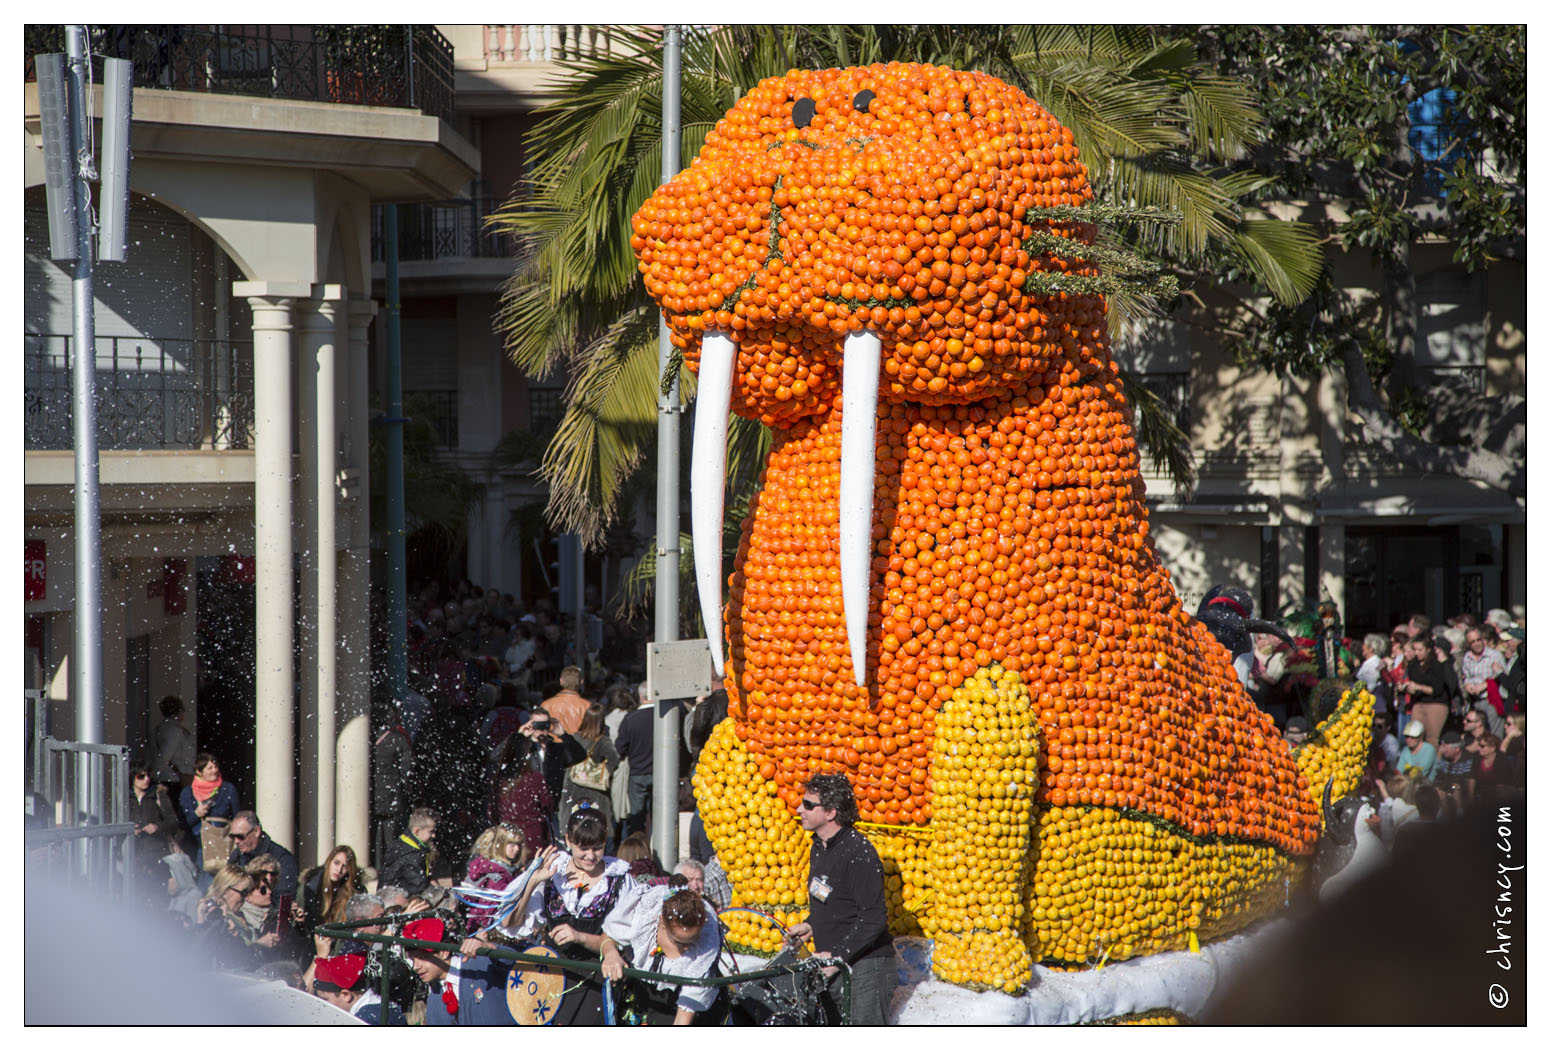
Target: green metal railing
[[352, 930]]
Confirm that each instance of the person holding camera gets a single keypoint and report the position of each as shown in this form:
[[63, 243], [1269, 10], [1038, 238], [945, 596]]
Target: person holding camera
[[554, 750], [530, 770]]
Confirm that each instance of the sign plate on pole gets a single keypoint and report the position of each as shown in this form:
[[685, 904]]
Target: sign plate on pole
[[678, 669]]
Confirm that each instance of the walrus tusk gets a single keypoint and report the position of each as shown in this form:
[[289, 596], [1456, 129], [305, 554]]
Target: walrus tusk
[[858, 466], [708, 481]]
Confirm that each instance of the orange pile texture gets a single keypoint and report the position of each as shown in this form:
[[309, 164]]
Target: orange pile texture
[[907, 219], [981, 559]]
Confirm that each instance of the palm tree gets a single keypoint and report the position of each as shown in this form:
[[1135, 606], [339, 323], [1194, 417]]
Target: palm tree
[[1154, 126]]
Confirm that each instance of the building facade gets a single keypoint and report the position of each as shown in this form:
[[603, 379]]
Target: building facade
[[233, 375], [1293, 505]]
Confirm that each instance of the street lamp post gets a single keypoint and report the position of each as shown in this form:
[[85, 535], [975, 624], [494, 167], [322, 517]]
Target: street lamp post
[[665, 737]]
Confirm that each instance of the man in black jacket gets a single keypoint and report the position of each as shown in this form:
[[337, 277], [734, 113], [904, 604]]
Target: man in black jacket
[[846, 915], [249, 840]]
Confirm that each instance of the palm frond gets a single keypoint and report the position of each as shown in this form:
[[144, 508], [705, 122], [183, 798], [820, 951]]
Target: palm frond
[[1167, 446], [748, 447], [1284, 256], [1220, 116], [517, 449], [438, 494], [638, 588]]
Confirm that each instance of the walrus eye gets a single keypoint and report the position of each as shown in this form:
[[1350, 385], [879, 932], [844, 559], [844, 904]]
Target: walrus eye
[[863, 100], [803, 111]]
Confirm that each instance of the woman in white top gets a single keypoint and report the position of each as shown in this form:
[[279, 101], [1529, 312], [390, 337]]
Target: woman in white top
[[569, 899], [668, 930]]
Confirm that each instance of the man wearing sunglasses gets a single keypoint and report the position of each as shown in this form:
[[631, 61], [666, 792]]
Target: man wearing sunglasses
[[846, 916], [249, 840]]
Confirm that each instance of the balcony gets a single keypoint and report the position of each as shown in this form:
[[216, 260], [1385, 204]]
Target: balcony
[[444, 230], [516, 44], [397, 66], [151, 393], [506, 68]]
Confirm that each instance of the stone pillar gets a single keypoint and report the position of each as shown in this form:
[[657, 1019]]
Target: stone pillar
[[274, 706], [1333, 489], [1332, 564], [319, 652], [1291, 554], [352, 763], [1300, 470]]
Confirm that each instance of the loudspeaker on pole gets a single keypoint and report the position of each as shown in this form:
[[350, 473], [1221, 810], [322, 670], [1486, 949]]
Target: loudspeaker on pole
[[59, 163], [113, 191]]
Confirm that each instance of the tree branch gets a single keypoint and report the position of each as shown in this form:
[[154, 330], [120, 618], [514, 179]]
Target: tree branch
[[1381, 429]]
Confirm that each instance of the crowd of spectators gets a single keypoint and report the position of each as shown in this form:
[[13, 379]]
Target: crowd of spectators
[[1449, 728], [499, 741]]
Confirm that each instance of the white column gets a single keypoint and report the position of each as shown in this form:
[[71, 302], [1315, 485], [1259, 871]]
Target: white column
[[352, 764], [274, 766], [320, 459]]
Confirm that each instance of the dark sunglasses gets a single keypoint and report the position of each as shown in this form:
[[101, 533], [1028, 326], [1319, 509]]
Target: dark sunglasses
[[811, 806], [238, 835]]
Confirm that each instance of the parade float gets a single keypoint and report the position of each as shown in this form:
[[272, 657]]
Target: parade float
[[946, 589]]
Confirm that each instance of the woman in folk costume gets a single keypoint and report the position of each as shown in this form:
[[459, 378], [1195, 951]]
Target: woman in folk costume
[[575, 893]]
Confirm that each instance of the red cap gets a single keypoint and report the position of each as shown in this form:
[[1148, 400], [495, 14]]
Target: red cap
[[430, 929], [341, 971]]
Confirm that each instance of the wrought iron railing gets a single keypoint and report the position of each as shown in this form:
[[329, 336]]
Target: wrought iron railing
[[444, 230], [401, 66], [80, 835], [151, 393]]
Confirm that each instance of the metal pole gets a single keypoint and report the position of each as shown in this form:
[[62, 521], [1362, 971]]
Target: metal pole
[[665, 737], [87, 673], [398, 599], [579, 590]]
